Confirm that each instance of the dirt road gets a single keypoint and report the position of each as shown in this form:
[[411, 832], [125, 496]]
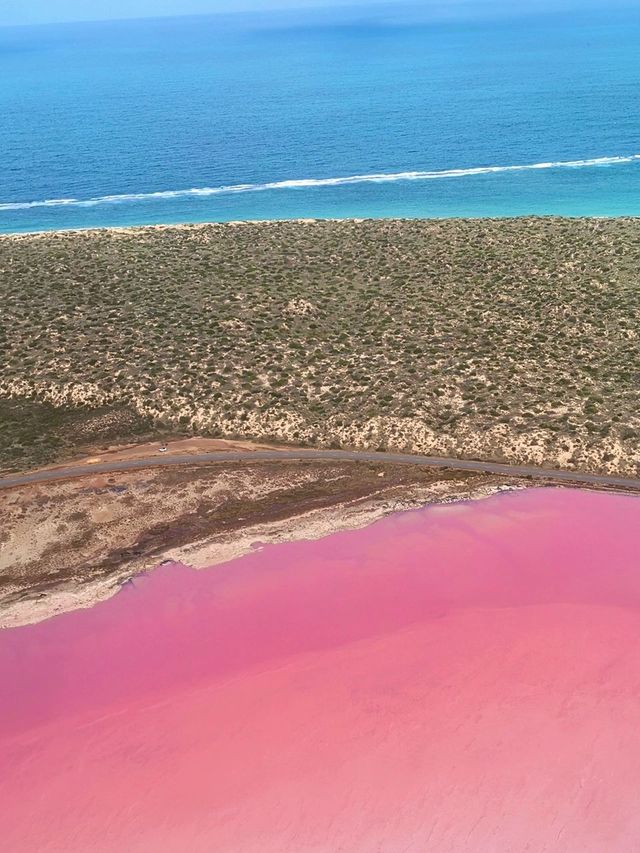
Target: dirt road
[[159, 460]]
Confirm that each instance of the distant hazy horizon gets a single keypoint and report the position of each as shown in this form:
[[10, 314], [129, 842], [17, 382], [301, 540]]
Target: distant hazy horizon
[[18, 12]]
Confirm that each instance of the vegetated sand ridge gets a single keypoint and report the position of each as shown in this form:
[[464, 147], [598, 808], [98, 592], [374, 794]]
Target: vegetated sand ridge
[[514, 340]]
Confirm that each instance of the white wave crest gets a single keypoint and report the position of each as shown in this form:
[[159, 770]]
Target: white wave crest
[[375, 178]]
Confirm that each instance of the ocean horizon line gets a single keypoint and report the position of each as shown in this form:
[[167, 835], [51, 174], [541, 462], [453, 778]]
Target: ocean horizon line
[[306, 183]]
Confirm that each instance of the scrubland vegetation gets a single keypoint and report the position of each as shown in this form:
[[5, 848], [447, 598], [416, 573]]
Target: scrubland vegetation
[[499, 339]]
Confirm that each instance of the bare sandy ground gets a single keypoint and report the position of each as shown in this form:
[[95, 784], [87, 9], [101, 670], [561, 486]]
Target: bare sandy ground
[[65, 545], [317, 524], [179, 446]]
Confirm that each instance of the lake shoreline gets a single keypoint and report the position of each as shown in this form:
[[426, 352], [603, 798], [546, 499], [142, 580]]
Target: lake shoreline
[[24, 602], [373, 672]]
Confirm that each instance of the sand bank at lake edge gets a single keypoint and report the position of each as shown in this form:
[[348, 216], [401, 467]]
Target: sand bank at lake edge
[[26, 609]]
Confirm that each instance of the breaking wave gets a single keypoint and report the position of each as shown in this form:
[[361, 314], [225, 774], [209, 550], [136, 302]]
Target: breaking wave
[[376, 178]]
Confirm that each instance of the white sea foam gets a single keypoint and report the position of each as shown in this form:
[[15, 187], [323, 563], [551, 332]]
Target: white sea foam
[[375, 178]]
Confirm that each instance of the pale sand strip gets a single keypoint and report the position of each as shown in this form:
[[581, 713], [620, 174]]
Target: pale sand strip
[[223, 548]]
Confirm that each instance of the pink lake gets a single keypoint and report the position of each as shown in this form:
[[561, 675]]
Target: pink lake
[[460, 678]]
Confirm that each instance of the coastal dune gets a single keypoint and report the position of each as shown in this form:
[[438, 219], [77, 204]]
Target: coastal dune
[[504, 340]]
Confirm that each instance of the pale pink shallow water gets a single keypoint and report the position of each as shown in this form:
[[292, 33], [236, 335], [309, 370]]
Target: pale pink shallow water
[[462, 678]]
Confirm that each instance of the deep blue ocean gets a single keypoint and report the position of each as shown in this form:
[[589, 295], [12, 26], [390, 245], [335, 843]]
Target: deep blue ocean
[[333, 115]]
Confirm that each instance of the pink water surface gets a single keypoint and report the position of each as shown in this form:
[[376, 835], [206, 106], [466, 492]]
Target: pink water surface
[[461, 678]]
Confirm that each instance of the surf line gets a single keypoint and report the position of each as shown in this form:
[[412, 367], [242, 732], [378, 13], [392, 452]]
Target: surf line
[[303, 183]]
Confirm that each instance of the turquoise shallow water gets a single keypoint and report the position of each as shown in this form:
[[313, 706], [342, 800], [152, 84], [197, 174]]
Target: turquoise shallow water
[[197, 119]]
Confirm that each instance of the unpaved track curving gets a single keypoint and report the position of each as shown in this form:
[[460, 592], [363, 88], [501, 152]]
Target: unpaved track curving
[[81, 469]]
